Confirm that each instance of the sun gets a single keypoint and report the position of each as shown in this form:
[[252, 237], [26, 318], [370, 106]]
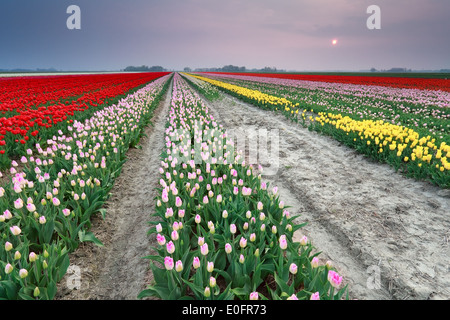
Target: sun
[[334, 42]]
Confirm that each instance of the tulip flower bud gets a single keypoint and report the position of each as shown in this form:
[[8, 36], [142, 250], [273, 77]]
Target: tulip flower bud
[[8, 246], [170, 247], [161, 239], [225, 214], [201, 241], [212, 282], [293, 268], [315, 296], [204, 249], [17, 255], [36, 292], [32, 257], [260, 206], [179, 266], [274, 229], [228, 248], [283, 242], [8, 268], [210, 266], [253, 237], [233, 228], [304, 241], [315, 262], [46, 254], [168, 263], [241, 258], [7, 214], [243, 242], [207, 292], [15, 230], [23, 273], [257, 252], [18, 204], [196, 263], [254, 296]]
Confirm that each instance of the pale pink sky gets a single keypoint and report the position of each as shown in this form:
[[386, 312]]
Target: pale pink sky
[[287, 34]]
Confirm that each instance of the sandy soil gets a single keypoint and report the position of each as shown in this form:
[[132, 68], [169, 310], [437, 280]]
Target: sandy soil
[[371, 222], [386, 234], [117, 271]]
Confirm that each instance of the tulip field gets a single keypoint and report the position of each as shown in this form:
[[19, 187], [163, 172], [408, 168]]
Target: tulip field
[[29, 107], [63, 180], [222, 232], [405, 127], [218, 229]]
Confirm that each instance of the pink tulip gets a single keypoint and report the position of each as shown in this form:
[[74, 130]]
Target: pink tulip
[[168, 263], [161, 239], [334, 278], [196, 263], [204, 249], [254, 296], [170, 247], [179, 266], [293, 268], [283, 242], [243, 242], [315, 296]]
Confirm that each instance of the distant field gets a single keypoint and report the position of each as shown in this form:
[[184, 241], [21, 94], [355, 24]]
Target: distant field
[[26, 74], [434, 75], [430, 75]]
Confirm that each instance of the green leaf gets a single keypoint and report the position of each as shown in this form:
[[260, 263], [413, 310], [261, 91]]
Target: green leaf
[[89, 237], [10, 289], [102, 211], [63, 267], [51, 290]]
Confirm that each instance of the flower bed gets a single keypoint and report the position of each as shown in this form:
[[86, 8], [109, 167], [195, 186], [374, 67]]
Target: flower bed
[[223, 233], [46, 208]]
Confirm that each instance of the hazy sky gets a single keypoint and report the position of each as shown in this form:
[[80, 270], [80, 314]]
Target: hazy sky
[[287, 34]]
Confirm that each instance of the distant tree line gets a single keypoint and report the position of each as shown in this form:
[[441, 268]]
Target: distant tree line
[[232, 68], [145, 69]]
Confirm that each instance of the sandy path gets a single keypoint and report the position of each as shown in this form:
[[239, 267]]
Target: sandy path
[[371, 222], [117, 270]]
